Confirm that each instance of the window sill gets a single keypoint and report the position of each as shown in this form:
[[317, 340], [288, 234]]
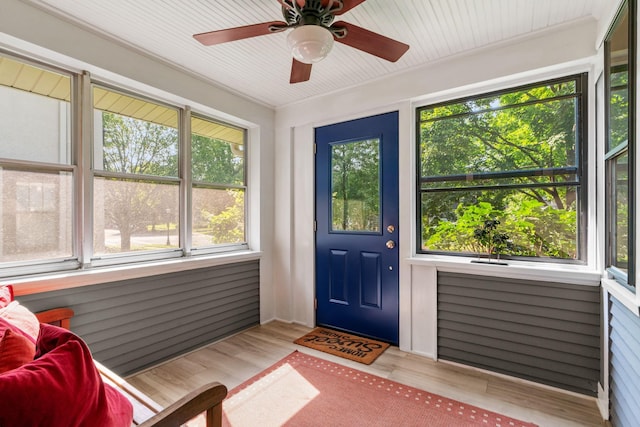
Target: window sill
[[622, 294], [547, 272], [94, 276]]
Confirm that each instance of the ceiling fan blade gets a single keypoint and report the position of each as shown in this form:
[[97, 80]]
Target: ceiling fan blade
[[348, 5], [232, 34], [370, 42], [300, 72]]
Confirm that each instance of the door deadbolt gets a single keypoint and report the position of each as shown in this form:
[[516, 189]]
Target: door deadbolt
[[391, 229], [391, 244]]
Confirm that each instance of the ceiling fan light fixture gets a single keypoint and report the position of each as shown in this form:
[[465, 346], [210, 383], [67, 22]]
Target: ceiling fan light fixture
[[310, 43]]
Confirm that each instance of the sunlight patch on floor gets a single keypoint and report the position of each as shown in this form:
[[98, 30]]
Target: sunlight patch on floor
[[270, 401]]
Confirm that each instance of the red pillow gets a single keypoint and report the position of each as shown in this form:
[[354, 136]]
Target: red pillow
[[15, 350], [61, 388]]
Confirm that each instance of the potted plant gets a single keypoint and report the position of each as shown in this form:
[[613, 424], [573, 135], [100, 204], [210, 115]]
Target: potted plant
[[491, 240]]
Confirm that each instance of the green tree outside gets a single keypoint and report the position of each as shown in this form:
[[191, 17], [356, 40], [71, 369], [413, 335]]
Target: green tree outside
[[511, 157], [138, 147]]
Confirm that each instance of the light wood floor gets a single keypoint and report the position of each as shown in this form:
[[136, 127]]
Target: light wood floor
[[238, 358]]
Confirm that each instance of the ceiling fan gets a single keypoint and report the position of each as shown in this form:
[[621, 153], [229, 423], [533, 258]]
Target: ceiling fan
[[313, 33]]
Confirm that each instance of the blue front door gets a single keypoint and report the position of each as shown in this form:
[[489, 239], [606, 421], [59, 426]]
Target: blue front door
[[357, 226]]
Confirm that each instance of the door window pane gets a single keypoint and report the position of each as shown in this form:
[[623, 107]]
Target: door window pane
[[355, 186]]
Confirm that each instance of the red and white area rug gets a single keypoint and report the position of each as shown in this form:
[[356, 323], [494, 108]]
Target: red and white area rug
[[302, 390]]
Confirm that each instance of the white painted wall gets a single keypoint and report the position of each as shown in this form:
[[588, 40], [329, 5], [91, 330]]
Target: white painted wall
[[564, 51]]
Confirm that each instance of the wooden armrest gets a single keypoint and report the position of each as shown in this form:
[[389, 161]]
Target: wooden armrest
[[206, 398], [143, 407], [56, 316]]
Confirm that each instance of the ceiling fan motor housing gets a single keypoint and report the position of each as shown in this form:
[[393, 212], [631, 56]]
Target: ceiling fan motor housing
[[312, 13]]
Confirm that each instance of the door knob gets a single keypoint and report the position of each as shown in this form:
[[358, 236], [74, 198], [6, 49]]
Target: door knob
[[391, 244]]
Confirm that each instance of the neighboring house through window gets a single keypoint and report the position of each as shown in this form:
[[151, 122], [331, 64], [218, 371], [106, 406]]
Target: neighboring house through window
[[36, 164]]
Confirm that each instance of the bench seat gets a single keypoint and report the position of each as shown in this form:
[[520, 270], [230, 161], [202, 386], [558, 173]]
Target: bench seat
[[146, 413]]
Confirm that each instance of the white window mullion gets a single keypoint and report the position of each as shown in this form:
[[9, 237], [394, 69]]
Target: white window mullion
[[84, 182], [185, 181]]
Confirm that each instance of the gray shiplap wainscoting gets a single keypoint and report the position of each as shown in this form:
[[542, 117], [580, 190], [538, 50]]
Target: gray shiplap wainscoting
[[133, 324], [540, 331], [624, 365]]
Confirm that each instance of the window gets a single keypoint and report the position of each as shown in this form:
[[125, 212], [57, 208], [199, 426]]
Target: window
[[218, 176], [36, 164], [136, 187], [513, 159], [620, 147]]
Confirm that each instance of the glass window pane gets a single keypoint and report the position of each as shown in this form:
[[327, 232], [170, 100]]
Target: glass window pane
[[134, 216], [35, 118], [619, 109], [218, 217], [618, 44], [355, 186], [534, 223], [134, 136], [620, 211], [512, 156], [619, 150], [535, 136], [36, 215], [496, 102], [217, 152]]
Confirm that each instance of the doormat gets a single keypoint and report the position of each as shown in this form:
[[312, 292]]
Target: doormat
[[302, 390], [352, 347]]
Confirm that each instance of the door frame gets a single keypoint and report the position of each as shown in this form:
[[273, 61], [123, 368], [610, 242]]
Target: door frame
[[291, 295], [398, 134]]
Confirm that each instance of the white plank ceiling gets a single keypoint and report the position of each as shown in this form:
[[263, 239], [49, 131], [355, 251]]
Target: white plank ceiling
[[259, 68]]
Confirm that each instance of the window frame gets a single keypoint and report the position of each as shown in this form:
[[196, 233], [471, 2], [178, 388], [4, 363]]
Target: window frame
[[144, 255], [194, 184], [54, 264], [581, 171], [628, 279], [83, 173]]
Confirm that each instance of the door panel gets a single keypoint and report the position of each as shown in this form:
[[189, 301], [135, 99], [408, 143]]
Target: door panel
[[357, 214]]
